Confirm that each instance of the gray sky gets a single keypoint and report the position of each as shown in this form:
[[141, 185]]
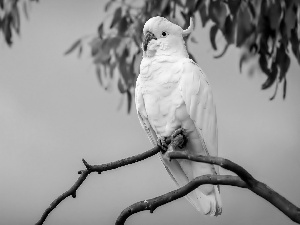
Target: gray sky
[[53, 112]]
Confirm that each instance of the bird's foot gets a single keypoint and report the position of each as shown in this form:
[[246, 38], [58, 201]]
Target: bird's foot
[[161, 142], [179, 138]]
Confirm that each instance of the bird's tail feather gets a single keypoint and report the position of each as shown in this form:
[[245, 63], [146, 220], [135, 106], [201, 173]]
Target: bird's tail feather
[[207, 204]]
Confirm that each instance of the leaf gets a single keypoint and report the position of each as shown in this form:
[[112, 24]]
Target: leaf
[[178, 2], [123, 25], [217, 11], [117, 17], [167, 11], [295, 44], [244, 58], [124, 67], [80, 50], [229, 29], [289, 20], [112, 43], [137, 62], [101, 57], [213, 32], [263, 64], [15, 19], [121, 47], [95, 45], [75, 45], [284, 88], [25, 10], [274, 14], [251, 9], [108, 5], [100, 50], [190, 4], [234, 6], [271, 76], [100, 30], [283, 60], [244, 26], [223, 52], [203, 14], [6, 27], [122, 88], [129, 100], [275, 92], [263, 43], [163, 5], [98, 72], [253, 48], [132, 71]]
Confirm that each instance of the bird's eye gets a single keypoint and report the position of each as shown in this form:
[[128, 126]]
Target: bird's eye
[[163, 34]]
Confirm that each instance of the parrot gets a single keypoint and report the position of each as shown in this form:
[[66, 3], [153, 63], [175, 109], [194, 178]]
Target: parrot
[[173, 96]]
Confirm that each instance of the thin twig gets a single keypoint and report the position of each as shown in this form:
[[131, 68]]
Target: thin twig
[[243, 180], [259, 188], [95, 168], [70, 192], [224, 163], [152, 204]]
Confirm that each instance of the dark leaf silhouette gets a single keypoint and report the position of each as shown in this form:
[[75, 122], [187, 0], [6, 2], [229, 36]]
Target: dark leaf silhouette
[[213, 32], [203, 14], [15, 14], [75, 45], [284, 88], [274, 14], [100, 30], [117, 17], [228, 30], [265, 29], [244, 26], [272, 73], [234, 6], [283, 60], [129, 101], [261, 28]]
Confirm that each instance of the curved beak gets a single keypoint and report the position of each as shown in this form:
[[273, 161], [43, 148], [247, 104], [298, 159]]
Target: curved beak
[[148, 37]]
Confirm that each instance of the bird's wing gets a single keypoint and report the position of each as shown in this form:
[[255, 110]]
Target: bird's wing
[[197, 95], [172, 168], [142, 115]]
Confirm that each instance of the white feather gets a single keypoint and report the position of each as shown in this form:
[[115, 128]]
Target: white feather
[[172, 92]]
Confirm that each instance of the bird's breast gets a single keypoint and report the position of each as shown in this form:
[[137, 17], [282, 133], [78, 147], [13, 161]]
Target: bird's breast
[[164, 105]]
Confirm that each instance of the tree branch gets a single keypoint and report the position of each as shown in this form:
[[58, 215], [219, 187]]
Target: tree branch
[[259, 188], [95, 168], [152, 204], [243, 180]]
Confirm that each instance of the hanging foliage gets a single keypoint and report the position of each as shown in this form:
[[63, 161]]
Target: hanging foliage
[[263, 29]]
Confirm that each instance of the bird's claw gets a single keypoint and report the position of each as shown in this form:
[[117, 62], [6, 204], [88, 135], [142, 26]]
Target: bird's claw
[[179, 138], [161, 142]]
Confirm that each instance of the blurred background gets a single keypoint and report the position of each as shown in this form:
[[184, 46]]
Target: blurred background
[[54, 112]]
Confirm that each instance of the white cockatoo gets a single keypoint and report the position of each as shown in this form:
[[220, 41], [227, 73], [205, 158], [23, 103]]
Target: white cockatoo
[[172, 94]]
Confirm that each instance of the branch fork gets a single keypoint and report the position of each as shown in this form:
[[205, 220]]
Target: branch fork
[[243, 180]]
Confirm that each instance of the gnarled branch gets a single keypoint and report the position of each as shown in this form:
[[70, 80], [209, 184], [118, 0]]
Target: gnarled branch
[[243, 180], [95, 168], [152, 204]]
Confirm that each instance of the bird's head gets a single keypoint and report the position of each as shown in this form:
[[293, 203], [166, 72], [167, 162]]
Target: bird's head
[[161, 34]]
